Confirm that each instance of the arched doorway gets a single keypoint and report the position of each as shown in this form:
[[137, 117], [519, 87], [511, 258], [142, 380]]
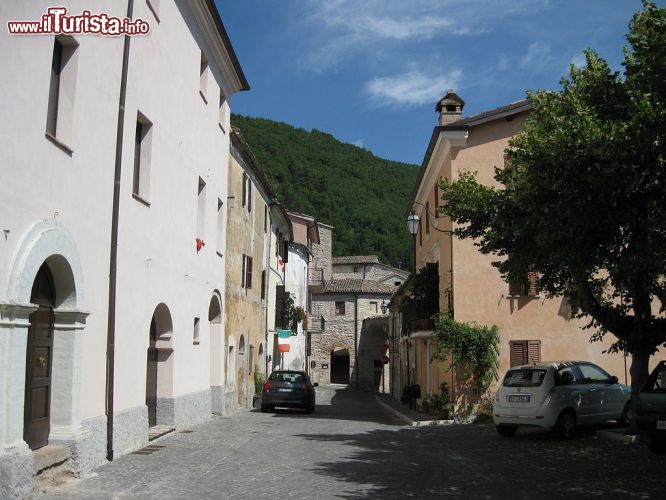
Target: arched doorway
[[39, 357], [216, 353], [340, 366], [159, 368]]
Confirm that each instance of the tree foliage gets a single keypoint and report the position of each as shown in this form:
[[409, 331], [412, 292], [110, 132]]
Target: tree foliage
[[583, 197], [340, 184]]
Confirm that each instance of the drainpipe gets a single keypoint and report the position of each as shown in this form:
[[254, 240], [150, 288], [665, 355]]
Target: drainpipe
[[356, 340], [113, 260]]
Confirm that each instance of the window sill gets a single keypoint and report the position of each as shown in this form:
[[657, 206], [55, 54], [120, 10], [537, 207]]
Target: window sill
[[196, 342], [60, 145], [203, 96], [140, 200], [523, 296], [222, 128], [219, 254]]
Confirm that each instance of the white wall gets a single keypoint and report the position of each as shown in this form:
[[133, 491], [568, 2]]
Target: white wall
[[297, 286]]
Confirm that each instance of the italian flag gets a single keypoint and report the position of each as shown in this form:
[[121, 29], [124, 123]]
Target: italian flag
[[284, 337]]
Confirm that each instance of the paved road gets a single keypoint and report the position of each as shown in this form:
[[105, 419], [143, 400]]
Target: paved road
[[352, 448]]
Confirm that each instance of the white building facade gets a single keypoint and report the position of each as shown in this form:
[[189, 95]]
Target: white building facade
[[113, 194]]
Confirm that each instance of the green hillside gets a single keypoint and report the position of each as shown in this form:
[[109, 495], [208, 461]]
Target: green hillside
[[363, 196]]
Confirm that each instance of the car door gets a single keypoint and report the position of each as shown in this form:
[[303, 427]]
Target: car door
[[600, 403]]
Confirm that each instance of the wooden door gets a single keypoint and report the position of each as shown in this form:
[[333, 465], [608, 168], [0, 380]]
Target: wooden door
[[151, 376], [37, 409]]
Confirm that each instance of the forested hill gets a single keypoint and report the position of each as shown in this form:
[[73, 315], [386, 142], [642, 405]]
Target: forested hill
[[363, 196]]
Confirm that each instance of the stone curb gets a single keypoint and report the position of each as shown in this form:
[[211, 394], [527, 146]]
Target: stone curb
[[617, 435], [409, 421]]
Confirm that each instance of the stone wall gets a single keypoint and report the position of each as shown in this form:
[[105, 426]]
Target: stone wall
[[322, 252]]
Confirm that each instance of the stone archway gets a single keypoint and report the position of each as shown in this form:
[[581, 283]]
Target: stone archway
[[46, 243], [159, 369], [340, 364], [216, 353]]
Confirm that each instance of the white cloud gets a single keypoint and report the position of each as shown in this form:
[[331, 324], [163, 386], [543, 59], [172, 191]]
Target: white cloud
[[537, 58], [412, 88], [343, 28], [359, 142]]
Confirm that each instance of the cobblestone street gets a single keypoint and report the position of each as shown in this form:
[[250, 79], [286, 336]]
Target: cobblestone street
[[353, 448]]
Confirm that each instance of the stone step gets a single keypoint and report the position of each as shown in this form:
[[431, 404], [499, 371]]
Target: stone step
[[51, 467]]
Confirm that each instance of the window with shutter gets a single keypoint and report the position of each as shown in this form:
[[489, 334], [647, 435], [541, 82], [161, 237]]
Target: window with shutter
[[243, 273], [516, 289], [279, 306], [436, 201], [526, 288], [427, 221], [533, 351], [285, 257], [248, 273], [517, 353], [523, 352], [263, 284]]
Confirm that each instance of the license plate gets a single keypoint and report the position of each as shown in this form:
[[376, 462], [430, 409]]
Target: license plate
[[284, 389], [661, 425], [518, 398]]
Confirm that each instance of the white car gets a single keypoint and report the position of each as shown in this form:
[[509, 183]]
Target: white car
[[559, 395]]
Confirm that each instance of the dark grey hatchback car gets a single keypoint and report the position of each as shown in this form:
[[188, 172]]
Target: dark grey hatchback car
[[288, 389]]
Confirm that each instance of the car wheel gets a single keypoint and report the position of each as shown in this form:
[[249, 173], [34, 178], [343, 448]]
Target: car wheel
[[310, 408], [265, 408], [625, 419], [657, 444], [507, 431], [566, 425]]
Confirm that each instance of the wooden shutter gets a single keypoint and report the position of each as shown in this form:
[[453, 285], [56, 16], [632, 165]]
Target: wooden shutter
[[248, 272], [263, 285], [518, 352], [427, 221], [516, 289], [532, 279], [437, 200], [244, 189], [243, 273], [279, 305], [285, 257], [533, 351]]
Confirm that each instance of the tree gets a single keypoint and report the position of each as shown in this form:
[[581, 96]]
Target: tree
[[583, 195]]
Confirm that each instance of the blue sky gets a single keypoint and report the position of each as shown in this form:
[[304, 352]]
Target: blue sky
[[370, 71]]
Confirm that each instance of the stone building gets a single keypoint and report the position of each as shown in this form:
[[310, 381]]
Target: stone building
[[348, 327], [250, 238], [112, 268]]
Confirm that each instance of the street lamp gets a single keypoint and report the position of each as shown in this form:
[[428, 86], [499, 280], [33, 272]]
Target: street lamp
[[413, 226], [384, 307]]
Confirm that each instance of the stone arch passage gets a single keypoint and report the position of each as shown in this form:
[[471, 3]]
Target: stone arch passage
[[340, 365], [159, 369], [216, 353], [240, 386]]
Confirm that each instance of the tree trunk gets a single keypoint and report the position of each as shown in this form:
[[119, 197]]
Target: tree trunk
[[640, 359]]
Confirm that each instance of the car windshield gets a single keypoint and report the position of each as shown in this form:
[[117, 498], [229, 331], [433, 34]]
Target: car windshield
[[287, 377], [524, 377]]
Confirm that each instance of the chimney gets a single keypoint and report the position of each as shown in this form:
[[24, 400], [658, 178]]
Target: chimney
[[449, 108]]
